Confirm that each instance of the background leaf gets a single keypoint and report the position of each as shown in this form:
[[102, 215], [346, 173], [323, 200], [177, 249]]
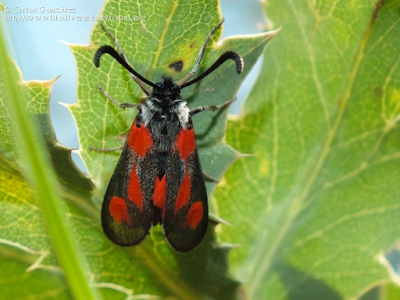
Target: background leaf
[[389, 291], [318, 203]]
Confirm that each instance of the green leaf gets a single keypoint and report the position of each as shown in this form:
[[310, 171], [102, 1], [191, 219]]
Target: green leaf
[[318, 203], [17, 280], [30, 152], [387, 291], [173, 31]]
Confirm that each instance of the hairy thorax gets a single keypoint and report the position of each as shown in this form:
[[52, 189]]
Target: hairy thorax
[[165, 121]]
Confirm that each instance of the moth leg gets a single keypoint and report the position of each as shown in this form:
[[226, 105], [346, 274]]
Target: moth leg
[[112, 149], [117, 103], [210, 177], [211, 107], [115, 41], [201, 54]]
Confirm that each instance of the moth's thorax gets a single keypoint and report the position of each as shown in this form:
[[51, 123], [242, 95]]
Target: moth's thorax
[[164, 121]]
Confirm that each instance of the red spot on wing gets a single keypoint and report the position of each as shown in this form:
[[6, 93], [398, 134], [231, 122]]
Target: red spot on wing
[[185, 143], [135, 190], [140, 139], [119, 211], [160, 194], [183, 196], [195, 215]]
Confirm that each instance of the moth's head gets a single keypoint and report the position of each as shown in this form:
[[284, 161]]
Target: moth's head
[[166, 90]]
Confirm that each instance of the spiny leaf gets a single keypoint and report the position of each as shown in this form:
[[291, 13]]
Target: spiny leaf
[[37, 95], [173, 31], [319, 201]]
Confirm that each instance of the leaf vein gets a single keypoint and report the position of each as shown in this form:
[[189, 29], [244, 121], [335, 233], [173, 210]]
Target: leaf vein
[[265, 265]]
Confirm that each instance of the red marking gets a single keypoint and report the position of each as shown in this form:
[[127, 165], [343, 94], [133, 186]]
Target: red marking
[[135, 190], [183, 193], [160, 194], [195, 215], [185, 143], [140, 139], [119, 211]]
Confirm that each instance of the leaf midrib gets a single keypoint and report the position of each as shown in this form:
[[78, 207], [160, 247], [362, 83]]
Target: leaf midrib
[[254, 279], [163, 35]]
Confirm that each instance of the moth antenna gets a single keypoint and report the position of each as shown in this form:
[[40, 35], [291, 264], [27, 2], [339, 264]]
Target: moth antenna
[[111, 51], [223, 58]]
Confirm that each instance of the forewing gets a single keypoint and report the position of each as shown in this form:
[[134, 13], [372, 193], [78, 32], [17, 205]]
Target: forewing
[[186, 212], [127, 211]]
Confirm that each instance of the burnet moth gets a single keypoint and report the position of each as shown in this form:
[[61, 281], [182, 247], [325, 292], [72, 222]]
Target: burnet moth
[[158, 178]]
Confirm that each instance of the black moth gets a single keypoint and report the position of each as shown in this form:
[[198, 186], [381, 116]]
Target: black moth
[[158, 178]]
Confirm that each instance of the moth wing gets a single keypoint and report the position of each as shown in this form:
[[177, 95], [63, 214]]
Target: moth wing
[[127, 212], [186, 211]]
